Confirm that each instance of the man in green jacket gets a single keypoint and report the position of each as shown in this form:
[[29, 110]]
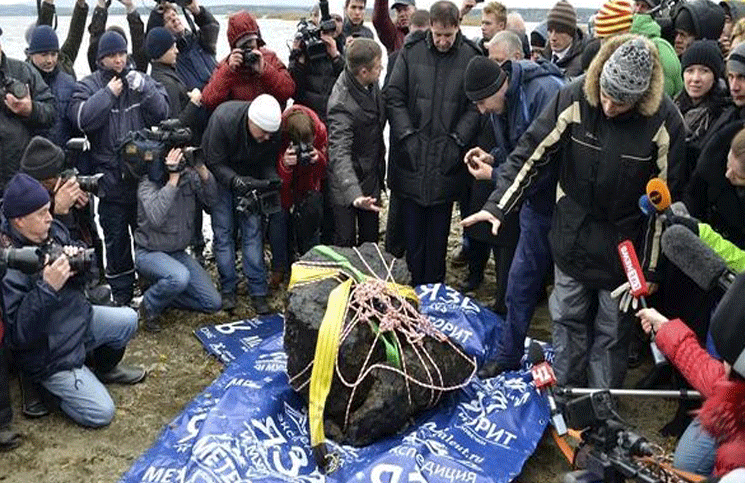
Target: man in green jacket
[[644, 24]]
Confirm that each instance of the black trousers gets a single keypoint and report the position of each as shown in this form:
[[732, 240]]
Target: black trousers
[[353, 227], [6, 412], [426, 230]]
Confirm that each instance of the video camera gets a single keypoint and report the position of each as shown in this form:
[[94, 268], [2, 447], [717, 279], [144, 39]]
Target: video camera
[[261, 199], [140, 148], [310, 35]]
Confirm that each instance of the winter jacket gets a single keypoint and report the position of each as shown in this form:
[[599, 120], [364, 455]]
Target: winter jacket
[[645, 25], [314, 81], [708, 18], [179, 104], [45, 328], [733, 8], [604, 166], [245, 84], [349, 29], [62, 86], [301, 179], [165, 213], [723, 411], [571, 63], [356, 119], [732, 255], [69, 50], [389, 34], [16, 131], [196, 50], [106, 119], [230, 150], [432, 119], [138, 59], [710, 196]]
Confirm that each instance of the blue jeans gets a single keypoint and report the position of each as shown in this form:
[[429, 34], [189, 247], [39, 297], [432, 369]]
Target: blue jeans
[[529, 266], [696, 451], [82, 396], [178, 281], [224, 218]]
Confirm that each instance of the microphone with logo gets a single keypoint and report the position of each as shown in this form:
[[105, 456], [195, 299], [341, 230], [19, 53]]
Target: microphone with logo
[[544, 378], [693, 257], [637, 286]]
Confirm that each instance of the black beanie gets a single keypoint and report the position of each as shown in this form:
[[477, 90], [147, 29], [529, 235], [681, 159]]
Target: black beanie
[[23, 195], [704, 52], [42, 159], [111, 43], [158, 42], [483, 78], [684, 22], [728, 326], [43, 39]]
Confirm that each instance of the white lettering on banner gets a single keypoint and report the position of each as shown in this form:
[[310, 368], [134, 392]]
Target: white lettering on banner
[[428, 292], [163, 475], [250, 342], [274, 362], [240, 382], [218, 459], [269, 429], [460, 334], [448, 473], [298, 460], [379, 470], [406, 452], [222, 350], [230, 327], [191, 427]]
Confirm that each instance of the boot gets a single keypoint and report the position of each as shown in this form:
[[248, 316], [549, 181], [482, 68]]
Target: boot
[[149, 322], [109, 369], [9, 439], [228, 301], [33, 404], [260, 304]]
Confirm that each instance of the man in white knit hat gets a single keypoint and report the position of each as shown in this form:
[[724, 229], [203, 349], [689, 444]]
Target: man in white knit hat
[[240, 147]]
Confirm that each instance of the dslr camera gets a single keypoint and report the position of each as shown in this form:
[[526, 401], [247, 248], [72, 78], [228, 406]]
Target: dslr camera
[[89, 184], [80, 262], [262, 200], [250, 58], [310, 34], [304, 153], [26, 259], [11, 85]]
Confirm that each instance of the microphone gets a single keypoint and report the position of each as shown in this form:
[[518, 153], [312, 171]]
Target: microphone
[[637, 285], [646, 206], [694, 258], [659, 194], [544, 378]]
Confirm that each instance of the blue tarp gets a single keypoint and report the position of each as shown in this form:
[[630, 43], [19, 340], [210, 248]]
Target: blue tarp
[[250, 426]]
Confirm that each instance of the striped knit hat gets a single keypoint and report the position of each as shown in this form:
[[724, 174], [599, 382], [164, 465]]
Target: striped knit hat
[[562, 18], [614, 17]]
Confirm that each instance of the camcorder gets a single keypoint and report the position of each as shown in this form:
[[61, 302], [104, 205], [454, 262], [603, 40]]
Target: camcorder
[[304, 153], [310, 35], [261, 199], [80, 262], [140, 148]]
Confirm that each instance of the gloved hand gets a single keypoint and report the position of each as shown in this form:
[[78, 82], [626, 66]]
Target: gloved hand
[[135, 80], [625, 299], [670, 218]]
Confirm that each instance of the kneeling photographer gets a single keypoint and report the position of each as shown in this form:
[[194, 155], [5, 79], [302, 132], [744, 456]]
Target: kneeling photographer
[[166, 204], [51, 326]]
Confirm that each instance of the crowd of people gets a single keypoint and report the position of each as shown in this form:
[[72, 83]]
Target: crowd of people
[[545, 140]]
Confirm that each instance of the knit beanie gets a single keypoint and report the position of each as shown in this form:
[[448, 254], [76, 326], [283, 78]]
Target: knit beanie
[[736, 60], [158, 42], [42, 159], [684, 22], [23, 195], [704, 52], [728, 326], [483, 78], [614, 17], [562, 18], [627, 73], [43, 39], [265, 112], [111, 43]]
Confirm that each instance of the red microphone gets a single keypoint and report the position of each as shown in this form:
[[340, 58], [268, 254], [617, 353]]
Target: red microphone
[[545, 379], [543, 375]]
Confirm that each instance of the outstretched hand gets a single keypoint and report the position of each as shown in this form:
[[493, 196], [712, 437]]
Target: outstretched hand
[[483, 215]]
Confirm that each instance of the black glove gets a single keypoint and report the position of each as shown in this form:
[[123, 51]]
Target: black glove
[[669, 218]]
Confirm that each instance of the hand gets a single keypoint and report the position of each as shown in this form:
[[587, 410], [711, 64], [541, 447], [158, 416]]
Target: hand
[[235, 61], [259, 66], [115, 85], [128, 5], [290, 158], [66, 195], [348, 41], [173, 159], [82, 200], [20, 107], [57, 273], [483, 215], [625, 297], [195, 97], [330, 45], [480, 155], [477, 168], [314, 156], [135, 80], [367, 203], [202, 170], [651, 320], [242, 185], [467, 7]]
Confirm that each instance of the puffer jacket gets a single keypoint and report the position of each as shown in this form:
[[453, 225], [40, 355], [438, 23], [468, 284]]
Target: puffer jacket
[[723, 412], [62, 86], [645, 25], [298, 181], [604, 166], [314, 81], [571, 63], [356, 119], [245, 85], [45, 328], [15, 131], [179, 103], [708, 18], [106, 119], [165, 213], [431, 116], [68, 52]]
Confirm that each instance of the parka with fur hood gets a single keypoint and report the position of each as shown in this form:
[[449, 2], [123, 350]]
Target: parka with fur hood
[[604, 166], [245, 85]]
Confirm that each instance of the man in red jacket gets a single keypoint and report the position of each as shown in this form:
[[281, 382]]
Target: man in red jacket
[[250, 70], [392, 32]]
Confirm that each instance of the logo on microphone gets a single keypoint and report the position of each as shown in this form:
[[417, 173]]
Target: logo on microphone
[[543, 375], [628, 266]]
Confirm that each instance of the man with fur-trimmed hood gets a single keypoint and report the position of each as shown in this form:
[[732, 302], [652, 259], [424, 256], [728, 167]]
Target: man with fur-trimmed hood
[[610, 132], [250, 70]]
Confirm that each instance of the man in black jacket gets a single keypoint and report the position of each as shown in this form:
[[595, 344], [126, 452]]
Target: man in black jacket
[[433, 121]]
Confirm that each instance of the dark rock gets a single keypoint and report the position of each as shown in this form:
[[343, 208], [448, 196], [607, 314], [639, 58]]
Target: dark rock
[[382, 402]]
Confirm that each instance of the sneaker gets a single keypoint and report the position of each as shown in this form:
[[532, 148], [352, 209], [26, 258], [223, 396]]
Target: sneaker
[[460, 258], [260, 304], [149, 322], [228, 301]]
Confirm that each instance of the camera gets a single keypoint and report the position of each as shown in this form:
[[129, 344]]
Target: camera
[[11, 85], [140, 148], [26, 259], [264, 200], [250, 58], [79, 263], [310, 35], [189, 159], [89, 184], [304, 153]]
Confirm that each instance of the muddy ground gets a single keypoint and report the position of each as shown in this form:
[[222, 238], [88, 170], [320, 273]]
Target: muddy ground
[[55, 450]]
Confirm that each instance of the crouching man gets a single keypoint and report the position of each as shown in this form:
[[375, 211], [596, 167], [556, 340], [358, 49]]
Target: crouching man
[[50, 324]]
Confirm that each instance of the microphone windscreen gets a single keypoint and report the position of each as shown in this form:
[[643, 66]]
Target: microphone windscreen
[[692, 256], [535, 353], [659, 194]]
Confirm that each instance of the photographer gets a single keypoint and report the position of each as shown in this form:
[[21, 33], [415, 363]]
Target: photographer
[[51, 325], [715, 441], [250, 69], [27, 106], [165, 222], [196, 60], [240, 146]]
